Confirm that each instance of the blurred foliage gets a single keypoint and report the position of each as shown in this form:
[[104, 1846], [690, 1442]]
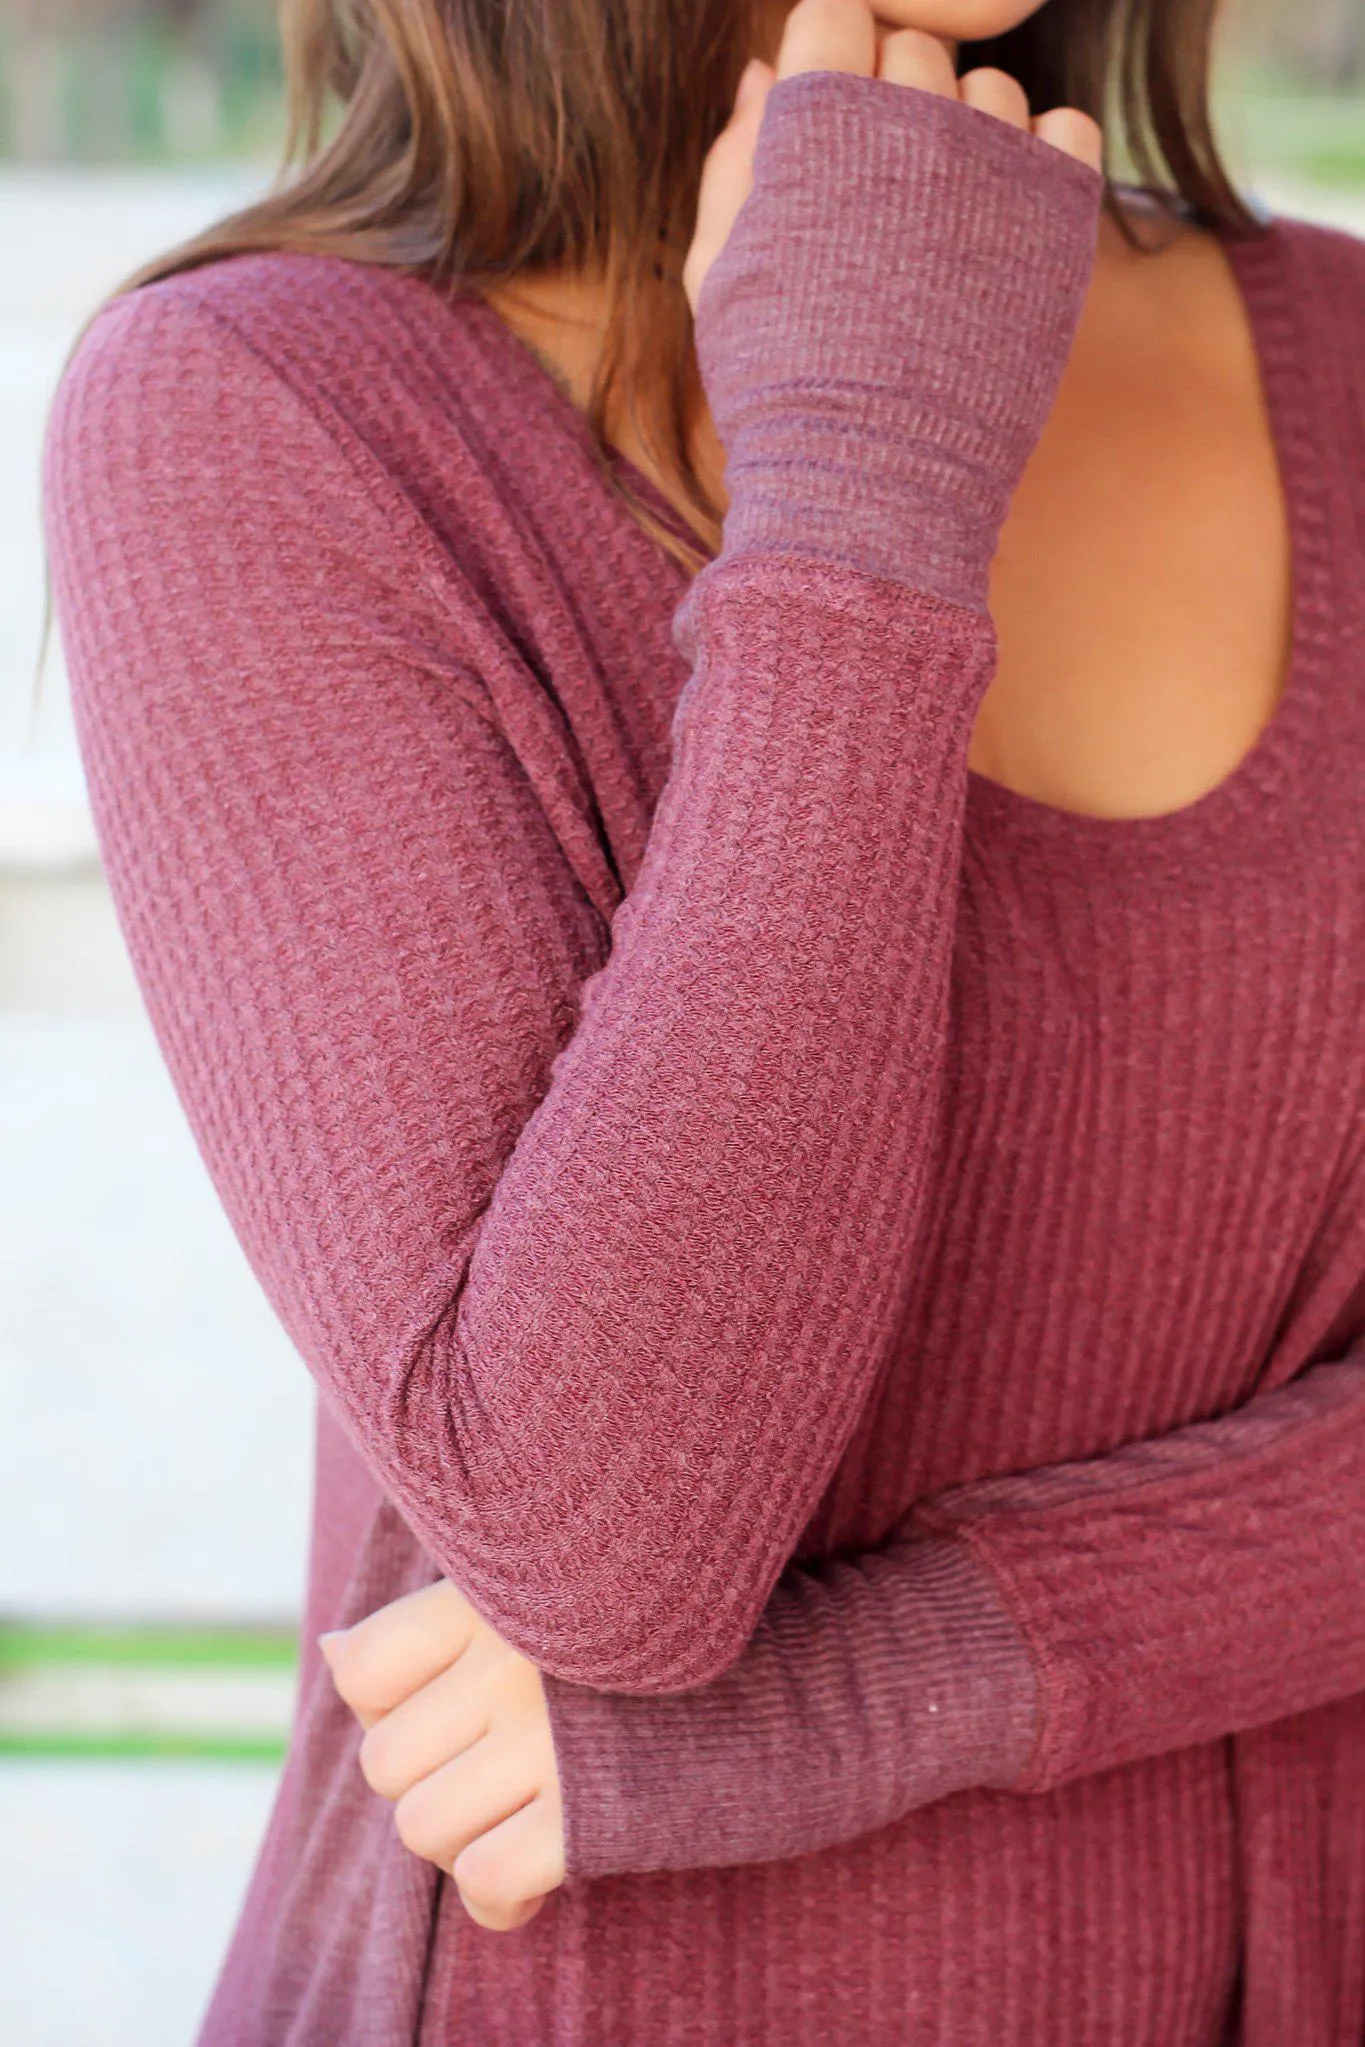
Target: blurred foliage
[[1308, 135], [188, 80], [1292, 95]]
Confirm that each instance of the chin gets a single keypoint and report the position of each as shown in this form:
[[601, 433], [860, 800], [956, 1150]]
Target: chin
[[966, 21]]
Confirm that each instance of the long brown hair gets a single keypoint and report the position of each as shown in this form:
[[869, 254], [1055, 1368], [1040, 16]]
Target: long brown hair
[[469, 141]]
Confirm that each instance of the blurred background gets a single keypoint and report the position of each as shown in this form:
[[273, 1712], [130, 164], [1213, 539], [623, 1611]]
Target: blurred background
[[154, 1423]]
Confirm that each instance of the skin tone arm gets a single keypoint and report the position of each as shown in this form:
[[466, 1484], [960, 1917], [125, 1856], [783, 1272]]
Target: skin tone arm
[[457, 1730]]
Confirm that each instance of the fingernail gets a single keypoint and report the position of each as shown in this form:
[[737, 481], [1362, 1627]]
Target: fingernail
[[332, 1635]]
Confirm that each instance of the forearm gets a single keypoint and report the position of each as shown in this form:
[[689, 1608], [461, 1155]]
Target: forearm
[[872, 1686], [691, 1265], [595, 1266], [605, 1375], [1189, 1587], [1018, 1633]]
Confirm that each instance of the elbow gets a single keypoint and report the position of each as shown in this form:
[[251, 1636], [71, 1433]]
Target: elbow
[[615, 1580], [631, 1636], [619, 1664]]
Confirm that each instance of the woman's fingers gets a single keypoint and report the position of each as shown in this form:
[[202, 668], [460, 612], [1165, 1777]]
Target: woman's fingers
[[910, 57], [1074, 133], [828, 35], [995, 92], [503, 1875], [439, 1721], [845, 35], [446, 1810], [387, 1656], [727, 177], [439, 1816], [458, 1739], [492, 1686], [1065, 128]]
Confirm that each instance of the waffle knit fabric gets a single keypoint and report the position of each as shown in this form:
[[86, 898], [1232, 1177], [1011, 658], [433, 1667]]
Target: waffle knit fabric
[[859, 1273]]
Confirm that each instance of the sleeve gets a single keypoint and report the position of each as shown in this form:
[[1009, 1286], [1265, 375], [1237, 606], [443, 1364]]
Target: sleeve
[[1017, 1633], [593, 1239]]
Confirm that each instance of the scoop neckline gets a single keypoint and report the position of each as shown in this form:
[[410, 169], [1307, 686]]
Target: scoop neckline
[[1277, 755], [1259, 264]]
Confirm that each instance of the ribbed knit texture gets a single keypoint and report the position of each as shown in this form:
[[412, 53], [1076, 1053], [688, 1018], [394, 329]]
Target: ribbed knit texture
[[868, 335], [856, 1272]]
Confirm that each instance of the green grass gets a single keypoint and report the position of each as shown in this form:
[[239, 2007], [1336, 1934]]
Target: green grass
[[142, 1748], [25, 1645]]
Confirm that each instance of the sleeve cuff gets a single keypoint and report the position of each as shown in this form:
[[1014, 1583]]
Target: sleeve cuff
[[870, 1688]]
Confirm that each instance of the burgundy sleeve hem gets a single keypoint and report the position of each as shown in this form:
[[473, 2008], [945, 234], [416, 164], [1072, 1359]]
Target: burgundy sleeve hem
[[1185, 1587], [871, 1687], [879, 374]]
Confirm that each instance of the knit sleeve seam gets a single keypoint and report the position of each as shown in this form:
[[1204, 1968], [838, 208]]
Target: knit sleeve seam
[[969, 623]]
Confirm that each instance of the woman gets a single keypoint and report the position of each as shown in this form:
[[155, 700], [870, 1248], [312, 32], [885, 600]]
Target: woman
[[805, 1112]]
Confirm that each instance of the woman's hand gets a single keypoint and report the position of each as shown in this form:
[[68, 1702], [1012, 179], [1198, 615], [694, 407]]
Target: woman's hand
[[845, 35], [458, 1736]]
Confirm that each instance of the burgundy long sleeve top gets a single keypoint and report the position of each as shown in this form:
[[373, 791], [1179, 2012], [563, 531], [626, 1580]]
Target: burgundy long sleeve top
[[859, 1273]]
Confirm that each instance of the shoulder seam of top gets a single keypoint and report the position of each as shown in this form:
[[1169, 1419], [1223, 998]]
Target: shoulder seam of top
[[371, 474]]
